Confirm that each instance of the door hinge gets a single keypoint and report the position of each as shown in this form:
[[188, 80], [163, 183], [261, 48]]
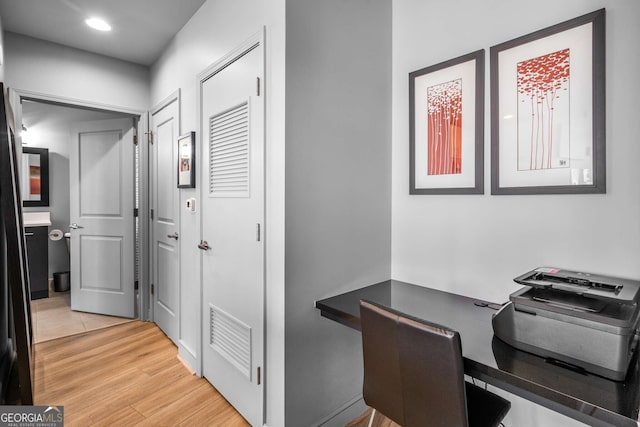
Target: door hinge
[[258, 232], [136, 285], [258, 86], [135, 139], [135, 212], [151, 213], [258, 378], [152, 289], [149, 136]]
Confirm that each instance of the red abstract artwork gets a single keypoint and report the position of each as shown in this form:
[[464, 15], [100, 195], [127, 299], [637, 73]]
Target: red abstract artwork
[[543, 111], [34, 180], [444, 139]]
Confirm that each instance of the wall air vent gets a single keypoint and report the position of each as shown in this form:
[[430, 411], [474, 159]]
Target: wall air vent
[[229, 152], [231, 339]]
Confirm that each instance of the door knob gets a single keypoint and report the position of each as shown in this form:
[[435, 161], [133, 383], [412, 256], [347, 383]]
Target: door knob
[[173, 236], [75, 226], [204, 245]]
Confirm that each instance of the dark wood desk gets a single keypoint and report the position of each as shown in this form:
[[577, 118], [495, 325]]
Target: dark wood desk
[[591, 399]]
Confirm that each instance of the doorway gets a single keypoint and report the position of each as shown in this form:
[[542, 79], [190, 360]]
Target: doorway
[[47, 124]]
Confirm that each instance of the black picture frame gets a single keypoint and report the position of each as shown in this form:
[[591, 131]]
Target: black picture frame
[[44, 176], [469, 70], [187, 160], [580, 86]]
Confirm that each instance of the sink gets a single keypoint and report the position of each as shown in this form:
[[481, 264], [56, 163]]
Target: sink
[[36, 219]]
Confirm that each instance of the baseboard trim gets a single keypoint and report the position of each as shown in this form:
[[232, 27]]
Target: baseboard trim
[[188, 359], [345, 413], [186, 365]]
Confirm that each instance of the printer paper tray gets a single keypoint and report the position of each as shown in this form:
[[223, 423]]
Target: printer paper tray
[[602, 353]]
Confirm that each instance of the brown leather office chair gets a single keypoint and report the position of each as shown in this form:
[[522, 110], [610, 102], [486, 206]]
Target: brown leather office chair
[[382, 387], [414, 374]]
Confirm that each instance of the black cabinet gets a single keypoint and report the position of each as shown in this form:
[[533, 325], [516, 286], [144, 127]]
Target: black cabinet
[[38, 256]]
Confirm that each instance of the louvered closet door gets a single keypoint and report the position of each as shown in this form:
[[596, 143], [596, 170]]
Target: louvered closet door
[[232, 213], [229, 152]]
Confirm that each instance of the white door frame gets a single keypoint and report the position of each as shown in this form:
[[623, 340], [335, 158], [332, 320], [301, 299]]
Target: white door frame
[[257, 39], [143, 171]]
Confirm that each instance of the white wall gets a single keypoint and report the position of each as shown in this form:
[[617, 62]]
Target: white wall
[[338, 215], [47, 68], [217, 28], [476, 245]]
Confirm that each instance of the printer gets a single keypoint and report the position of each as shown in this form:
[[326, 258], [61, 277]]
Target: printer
[[579, 319]]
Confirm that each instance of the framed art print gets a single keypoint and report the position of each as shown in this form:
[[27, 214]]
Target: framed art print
[[186, 160], [548, 110], [446, 125]]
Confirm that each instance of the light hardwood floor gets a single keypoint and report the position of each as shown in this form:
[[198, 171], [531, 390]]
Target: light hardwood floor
[[379, 420], [53, 318], [125, 375]]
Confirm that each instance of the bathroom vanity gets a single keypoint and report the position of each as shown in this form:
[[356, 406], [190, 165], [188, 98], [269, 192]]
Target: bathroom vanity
[[36, 232]]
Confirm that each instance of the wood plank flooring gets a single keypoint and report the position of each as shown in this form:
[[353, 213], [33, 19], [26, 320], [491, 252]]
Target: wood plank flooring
[[379, 420], [126, 375], [53, 318]]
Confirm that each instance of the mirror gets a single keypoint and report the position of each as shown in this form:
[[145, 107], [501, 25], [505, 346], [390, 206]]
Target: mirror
[[35, 176]]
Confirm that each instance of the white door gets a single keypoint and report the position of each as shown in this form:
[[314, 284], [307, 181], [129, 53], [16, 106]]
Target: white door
[[165, 221], [232, 215], [101, 167]]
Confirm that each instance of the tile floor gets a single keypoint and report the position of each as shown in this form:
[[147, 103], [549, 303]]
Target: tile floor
[[53, 318]]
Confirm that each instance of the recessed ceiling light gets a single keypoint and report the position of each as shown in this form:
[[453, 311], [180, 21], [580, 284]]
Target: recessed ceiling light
[[98, 24]]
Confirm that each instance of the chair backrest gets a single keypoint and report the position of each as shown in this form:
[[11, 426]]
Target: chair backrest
[[413, 369], [432, 374], [382, 388]]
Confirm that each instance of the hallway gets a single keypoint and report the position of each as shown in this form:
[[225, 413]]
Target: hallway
[[125, 375]]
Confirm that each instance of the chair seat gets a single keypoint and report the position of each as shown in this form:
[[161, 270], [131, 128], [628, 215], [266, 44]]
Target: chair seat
[[485, 409]]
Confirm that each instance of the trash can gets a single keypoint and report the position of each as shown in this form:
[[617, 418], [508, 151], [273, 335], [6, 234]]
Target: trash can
[[61, 281]]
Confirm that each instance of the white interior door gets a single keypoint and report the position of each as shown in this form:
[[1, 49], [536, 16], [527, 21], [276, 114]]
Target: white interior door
[[232, 215], [101, 170], [165, 222]]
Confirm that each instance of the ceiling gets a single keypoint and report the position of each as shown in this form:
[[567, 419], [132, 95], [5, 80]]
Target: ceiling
[[141, 28]]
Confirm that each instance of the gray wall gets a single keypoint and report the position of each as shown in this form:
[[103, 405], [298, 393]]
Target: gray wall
[[50, 69], [338, 176], [42, 67], [476, 245]]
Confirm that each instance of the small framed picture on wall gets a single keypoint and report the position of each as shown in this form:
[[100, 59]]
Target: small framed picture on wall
[[186, 160], [446, 125]]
